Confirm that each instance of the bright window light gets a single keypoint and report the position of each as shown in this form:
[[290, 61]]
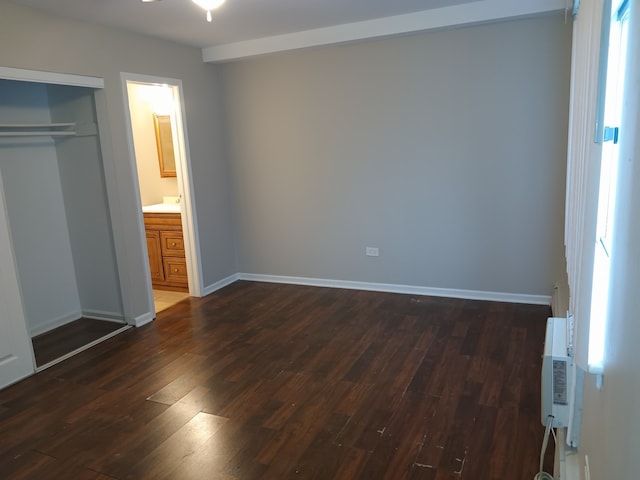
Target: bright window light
[[607, 195]]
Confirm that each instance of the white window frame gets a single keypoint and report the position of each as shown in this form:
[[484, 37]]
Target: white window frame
[[615, 49]]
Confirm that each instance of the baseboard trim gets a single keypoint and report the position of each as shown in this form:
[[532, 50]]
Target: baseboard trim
[[55, 323], [209, 289], [104, 316], [406, 289], [141, 320]]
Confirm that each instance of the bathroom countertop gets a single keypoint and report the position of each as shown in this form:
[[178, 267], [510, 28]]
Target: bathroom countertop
[[162, 208]]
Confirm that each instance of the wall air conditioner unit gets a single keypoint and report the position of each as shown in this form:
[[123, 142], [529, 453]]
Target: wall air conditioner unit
[[557, 374], [562, 380]]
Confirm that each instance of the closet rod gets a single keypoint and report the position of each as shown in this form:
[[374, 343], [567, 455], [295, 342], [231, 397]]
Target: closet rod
[[37, 129], [37, 125], [37, 134]]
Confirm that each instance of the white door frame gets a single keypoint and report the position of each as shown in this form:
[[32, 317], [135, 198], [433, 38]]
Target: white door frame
[[184, 178]]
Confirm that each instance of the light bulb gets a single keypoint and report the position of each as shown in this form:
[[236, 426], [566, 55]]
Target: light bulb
[[208, 4], [209, 16]]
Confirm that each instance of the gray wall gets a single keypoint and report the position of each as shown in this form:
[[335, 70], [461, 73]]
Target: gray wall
[[38, 41], [36, 213], [446, 150], [611, 421]]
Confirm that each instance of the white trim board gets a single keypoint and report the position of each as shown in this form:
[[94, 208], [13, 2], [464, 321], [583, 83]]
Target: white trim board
[[480, 11], [185, 188], [405, 289], [214, 287], [23, 75], [72, 317], [142, 320], [104, 316], [366, 286]]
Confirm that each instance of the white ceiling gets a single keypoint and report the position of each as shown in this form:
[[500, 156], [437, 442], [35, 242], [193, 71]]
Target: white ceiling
[[239, 21]]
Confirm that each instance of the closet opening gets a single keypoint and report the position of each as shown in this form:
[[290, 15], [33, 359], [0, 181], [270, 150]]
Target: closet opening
[[160, 159], [57, 220]]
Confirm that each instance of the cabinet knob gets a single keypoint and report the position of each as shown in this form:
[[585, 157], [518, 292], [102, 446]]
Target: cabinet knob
[[176, 270], [173, 244]]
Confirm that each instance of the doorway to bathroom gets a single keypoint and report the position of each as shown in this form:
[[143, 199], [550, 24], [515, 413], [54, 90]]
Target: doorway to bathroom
[[160, 161]]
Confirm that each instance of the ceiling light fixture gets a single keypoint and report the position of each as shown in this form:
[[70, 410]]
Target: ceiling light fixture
[[208, 5]]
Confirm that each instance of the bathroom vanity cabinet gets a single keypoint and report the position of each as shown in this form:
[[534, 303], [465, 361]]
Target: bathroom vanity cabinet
[[165, 245]]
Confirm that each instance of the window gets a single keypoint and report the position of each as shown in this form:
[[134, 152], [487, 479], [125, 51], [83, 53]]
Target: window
[[615, 69]]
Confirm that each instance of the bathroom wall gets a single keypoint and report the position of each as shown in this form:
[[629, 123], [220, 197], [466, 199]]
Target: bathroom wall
[[142, 107]]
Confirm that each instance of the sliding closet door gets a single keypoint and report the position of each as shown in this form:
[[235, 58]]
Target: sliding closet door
[[36, 213], [16, 358]]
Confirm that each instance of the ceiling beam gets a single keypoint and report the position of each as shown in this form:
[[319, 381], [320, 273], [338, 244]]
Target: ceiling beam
[[479, 11]]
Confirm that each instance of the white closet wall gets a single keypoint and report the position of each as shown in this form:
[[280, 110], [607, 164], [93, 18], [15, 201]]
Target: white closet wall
[[86, 203]]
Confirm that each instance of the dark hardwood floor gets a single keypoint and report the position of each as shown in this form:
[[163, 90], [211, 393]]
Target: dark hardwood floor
[[278, 382], [65, 339]]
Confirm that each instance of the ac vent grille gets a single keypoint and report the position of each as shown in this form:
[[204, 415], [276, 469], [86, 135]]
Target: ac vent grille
[[560, 382]]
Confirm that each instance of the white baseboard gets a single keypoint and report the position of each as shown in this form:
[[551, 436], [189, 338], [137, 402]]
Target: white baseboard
[[73, 316], [55, 323], [406, 289], [141, 320], [105, 316], [220, 284]]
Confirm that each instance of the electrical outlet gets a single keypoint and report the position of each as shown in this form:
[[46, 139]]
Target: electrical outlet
[[372, 251]]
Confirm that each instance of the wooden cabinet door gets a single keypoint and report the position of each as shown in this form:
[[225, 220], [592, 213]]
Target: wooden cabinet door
[[172, 244], [155, 256], [175, 271]]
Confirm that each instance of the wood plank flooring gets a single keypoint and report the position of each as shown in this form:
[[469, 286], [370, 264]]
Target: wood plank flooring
[[65, 339], [267, 381]]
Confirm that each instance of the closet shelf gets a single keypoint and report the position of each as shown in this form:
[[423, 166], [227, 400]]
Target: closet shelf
[[37, 129]]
